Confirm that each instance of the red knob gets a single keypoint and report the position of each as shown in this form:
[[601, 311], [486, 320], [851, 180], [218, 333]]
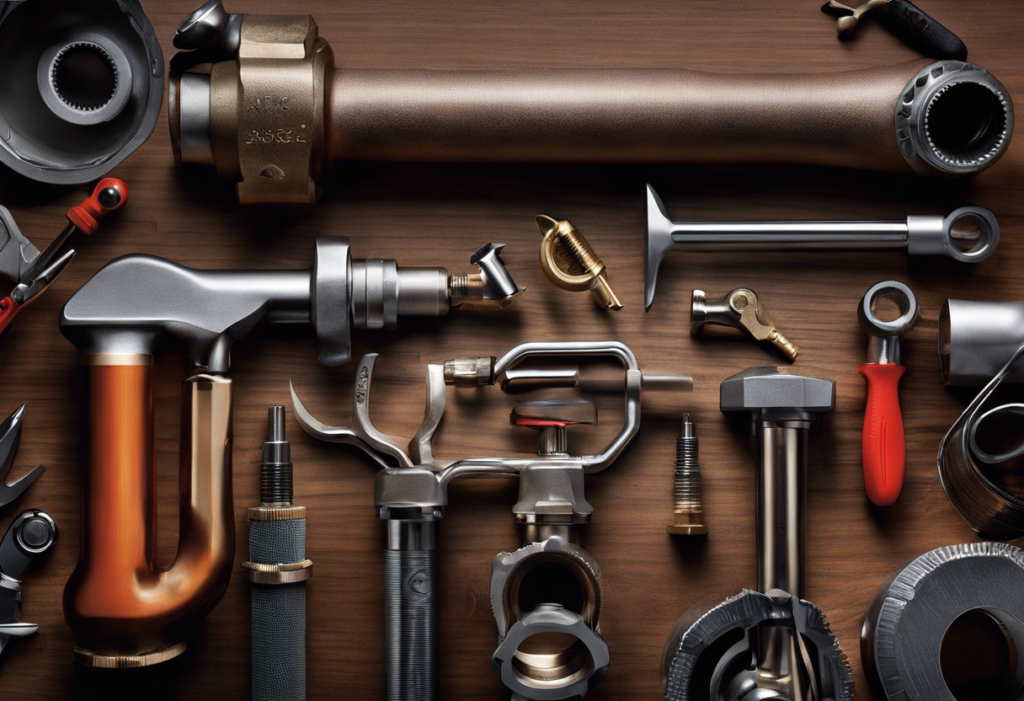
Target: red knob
[[109, 196]]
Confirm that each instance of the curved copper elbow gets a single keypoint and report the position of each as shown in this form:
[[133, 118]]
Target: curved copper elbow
[[125, 610]]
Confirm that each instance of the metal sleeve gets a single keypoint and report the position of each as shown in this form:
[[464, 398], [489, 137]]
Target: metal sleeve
[[840, 119], [278, 613], [410, 579]]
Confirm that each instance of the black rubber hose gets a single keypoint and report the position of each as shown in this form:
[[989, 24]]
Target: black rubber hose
[[410, 579]]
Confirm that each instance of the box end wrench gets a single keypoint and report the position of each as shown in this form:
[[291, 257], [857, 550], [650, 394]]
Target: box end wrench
[[884, 441], [929, 235]]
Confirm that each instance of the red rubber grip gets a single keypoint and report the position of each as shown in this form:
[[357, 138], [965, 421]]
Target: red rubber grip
[[884, 443], [8, 310], [88, 214]]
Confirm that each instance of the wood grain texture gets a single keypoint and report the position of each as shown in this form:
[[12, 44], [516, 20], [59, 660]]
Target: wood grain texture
[[429, 215]]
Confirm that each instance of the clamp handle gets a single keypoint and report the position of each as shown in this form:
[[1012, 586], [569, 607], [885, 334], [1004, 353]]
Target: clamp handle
[[109, 196], [884, 444]]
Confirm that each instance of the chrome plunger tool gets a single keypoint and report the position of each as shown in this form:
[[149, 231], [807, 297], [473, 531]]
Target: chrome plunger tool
[[917, 235]]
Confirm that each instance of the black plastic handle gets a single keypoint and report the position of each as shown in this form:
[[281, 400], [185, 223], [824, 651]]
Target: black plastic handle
[[922, 32]]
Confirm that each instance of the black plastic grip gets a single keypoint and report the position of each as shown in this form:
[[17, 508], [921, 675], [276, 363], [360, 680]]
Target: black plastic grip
[[410, 580], [278, 614], [922, 32]]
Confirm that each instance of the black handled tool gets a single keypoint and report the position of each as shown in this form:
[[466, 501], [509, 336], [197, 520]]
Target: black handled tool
[[31, 535], [278, 570], [905, 20]]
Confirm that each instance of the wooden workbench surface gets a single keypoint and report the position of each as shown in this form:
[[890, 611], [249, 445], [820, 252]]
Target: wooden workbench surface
[[425, 215]]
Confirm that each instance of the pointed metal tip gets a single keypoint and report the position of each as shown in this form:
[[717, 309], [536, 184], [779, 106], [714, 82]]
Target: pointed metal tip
[[548, 225]]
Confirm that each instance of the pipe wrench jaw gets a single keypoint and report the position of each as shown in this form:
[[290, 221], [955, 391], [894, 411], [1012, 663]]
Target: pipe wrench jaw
[[10, 437]]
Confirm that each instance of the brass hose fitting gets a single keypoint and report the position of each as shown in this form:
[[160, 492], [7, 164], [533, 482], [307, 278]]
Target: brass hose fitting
[[569, 262], [740, 309]]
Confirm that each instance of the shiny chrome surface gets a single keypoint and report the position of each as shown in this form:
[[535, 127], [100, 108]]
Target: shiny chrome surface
[[918, 236]]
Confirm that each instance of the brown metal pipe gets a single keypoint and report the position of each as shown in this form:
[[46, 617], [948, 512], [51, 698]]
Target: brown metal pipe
[[644, 116], [125, 610], [273, 111]]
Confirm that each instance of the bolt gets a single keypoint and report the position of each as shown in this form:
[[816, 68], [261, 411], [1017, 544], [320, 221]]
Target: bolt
[[689, 506]]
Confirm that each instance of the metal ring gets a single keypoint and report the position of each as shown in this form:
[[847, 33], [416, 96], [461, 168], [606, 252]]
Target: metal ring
[[905, 300], [63, 105], [988, 234]]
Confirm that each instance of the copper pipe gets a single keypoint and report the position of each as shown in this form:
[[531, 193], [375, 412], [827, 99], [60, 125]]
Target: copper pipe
[[638, 116], [125, 610]]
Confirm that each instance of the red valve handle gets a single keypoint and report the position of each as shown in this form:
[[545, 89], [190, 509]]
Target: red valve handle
[[8, 310], [109, 196], [884, 443]]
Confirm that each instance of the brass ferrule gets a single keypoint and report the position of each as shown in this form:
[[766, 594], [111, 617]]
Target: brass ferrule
[[469, 372], [465, 288]]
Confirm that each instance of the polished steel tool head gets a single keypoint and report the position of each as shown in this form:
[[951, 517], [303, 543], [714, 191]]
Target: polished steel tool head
[[765, 391]]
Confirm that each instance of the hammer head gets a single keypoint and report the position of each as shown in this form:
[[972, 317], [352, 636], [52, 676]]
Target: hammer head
[[768, 391], [657, 243]]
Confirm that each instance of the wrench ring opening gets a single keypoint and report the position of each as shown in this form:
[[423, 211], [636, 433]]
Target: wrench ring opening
[[972, 234], [906, 303]]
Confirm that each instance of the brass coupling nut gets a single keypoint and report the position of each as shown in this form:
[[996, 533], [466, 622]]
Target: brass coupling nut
[[569, 262], [259, 116]]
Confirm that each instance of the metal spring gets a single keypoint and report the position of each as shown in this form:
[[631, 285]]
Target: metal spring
[[687, 475], [276, 483]]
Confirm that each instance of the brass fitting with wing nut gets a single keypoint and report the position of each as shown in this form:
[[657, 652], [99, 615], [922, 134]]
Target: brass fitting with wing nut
[[569, 262], [740, 309]]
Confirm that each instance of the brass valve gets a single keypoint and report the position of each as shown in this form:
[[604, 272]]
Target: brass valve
[[740, 309], [569, 262]]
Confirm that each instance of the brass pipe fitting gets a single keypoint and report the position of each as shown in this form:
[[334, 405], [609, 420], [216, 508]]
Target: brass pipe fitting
[[272, 112], [570, 263], [740, 309]]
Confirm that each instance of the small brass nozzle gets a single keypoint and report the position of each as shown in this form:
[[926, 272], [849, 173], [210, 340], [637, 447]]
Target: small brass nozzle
[[569, 262], [741, 309]]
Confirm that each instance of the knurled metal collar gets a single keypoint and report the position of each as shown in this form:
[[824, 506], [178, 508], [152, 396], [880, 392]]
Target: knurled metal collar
[[918, 123], [291, 573], [88, 658], [276, 513]]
